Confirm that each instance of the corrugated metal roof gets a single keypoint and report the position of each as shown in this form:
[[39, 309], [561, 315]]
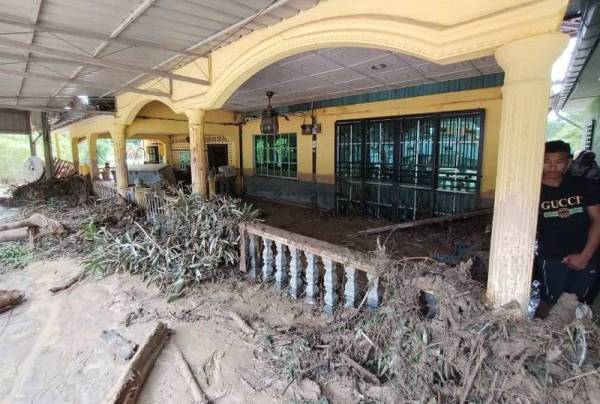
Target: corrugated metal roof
[[145, 33]]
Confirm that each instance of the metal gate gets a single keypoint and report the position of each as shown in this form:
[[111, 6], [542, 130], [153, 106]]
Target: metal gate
[[406, 168]]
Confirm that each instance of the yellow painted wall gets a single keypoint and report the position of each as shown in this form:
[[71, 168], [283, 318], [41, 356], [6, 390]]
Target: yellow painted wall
[[489, 99]]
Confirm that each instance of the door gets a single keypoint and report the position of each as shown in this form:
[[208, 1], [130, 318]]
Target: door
[[217, 156]]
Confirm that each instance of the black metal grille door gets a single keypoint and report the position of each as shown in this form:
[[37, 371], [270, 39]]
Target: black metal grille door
[[405, 168]]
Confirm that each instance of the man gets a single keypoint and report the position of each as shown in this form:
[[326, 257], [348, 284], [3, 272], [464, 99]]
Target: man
[[568, 229]]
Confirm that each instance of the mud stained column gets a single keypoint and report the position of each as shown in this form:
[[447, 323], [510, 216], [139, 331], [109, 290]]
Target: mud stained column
[[120, 142], [527, 64], [197, 146], [93, 155], [75, 153]]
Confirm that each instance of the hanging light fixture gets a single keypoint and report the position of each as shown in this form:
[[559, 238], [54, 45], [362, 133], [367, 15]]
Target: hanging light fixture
[[269, 124]]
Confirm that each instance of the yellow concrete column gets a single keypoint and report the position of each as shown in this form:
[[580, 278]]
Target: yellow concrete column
[[198, 163], [57, 152], [168, 150], [117, 132], [527, 64], [75, 153], [93, 155]]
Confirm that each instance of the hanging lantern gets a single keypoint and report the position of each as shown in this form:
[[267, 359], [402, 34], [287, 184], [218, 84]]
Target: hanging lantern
[[269, 124]]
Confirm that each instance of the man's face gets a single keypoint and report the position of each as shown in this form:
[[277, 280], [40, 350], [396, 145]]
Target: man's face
[[556, 164]]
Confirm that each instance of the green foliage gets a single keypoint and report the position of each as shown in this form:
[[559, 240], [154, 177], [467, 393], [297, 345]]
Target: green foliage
[[191, 240], [559, 129], [14, 150], [14, 256], [90, 230]]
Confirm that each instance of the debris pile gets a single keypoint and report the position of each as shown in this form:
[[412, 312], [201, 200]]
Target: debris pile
[[432, 338], [192, 240], [71, 190]]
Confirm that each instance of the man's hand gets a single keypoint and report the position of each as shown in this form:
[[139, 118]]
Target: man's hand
[[577, 262]]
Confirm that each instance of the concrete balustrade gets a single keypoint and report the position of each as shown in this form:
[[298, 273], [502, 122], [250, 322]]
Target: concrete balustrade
[[307, 267]]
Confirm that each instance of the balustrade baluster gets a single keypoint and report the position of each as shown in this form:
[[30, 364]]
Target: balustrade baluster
[[252, 247], [373, 292], [267, 270], [312, 277], [295, 274], [330, 283], [350, 289], [280, 265]]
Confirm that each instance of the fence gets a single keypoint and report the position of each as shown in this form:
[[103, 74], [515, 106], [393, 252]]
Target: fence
[[291, 260], [104, 189]]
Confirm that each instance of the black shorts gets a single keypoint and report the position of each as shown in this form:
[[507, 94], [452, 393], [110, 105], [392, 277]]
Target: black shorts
[[557, 278]]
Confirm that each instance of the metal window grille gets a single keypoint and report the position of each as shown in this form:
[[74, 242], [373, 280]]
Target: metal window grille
[[588, 140], [185, 159], [404, 168], [276, 155]]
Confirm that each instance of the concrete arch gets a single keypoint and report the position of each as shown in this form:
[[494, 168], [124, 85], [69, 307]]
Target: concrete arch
[[426, 36], [133, 104]]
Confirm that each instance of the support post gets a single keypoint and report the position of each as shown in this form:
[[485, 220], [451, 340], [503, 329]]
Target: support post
[[527, 64], [93, 155], [75, 153], [118, 134], [32, 151], [197, 146], [46, 138], [57, 152]]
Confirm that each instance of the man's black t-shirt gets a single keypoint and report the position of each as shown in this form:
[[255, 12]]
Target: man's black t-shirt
[[563, 220]]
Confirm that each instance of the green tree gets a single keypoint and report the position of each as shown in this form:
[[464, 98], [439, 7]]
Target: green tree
[[559, 129]]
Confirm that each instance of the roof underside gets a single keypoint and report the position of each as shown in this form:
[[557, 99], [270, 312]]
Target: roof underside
[[54, 50]]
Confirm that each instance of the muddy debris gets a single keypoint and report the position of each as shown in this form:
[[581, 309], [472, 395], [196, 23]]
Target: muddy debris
[[433, 338]]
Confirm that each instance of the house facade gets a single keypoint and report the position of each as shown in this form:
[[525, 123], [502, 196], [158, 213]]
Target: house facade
[[451, 145]]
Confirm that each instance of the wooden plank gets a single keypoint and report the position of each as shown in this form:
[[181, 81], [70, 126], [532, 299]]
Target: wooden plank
[[131, 381], [426, 222], [339, 254]]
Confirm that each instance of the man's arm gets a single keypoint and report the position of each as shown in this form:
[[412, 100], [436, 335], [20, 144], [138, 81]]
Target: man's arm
[[581, 260]]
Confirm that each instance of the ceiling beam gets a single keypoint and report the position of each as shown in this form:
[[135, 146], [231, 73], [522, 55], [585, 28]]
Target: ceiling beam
[[83, 83], [95, 61], [275, 5], [16, 21], [42, 59], [104, 44], [31, 108], [33, 18], [239, 24]]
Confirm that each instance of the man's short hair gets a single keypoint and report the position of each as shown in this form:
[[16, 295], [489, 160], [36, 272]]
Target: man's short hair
[[557, 146]]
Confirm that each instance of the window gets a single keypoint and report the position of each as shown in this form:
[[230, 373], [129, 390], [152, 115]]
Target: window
[[276, 155], [409, 167], [184, 159]]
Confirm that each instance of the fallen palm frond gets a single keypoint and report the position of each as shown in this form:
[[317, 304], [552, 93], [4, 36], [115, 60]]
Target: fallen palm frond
[[191, 240], [433, 339]]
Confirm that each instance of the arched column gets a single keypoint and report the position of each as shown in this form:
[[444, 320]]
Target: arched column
[[75, 153], [93, 155], [197, 146], [527, 64], [117, 132]]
